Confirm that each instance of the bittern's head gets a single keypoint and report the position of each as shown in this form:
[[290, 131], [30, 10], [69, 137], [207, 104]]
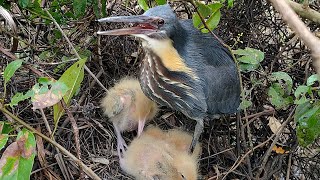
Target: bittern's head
[[157, 23]]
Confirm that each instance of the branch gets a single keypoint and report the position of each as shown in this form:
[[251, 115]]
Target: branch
[[75, 51], [292, 19], [86, 169], [305, 11]]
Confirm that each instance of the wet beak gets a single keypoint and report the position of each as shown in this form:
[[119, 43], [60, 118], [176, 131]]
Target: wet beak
[[142, 25]]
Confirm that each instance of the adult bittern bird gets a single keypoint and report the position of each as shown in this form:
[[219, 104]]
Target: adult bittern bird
[[127, 108], [157, 155], [187, 70]]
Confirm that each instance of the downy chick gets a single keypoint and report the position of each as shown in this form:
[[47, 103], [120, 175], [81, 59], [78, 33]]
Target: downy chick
[[128, 109], [157, 155]]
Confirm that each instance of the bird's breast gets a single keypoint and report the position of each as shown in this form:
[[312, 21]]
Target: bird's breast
[[175, 89]]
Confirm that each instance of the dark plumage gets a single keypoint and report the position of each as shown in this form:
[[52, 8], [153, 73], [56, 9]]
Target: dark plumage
[[184, 69]]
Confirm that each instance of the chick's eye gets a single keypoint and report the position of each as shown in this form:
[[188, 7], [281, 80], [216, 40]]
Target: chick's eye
[[183, 177], [160, 22]]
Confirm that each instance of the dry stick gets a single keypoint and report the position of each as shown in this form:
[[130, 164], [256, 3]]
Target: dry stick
[[289, 167], [305, 11], [267, 154], [86, 169], [265, 112], [74, 50], [237, 164], [292, 19], [277, 135], [76, 134]]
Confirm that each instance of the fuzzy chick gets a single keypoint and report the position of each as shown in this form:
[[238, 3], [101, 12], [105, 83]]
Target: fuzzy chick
[[128, 109], [159, 155]]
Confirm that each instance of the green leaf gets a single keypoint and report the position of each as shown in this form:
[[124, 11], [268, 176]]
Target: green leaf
[[213, 20], [245, 104], [24, 3], [248, 67], [17, 160], [11, 69], [79, 7], [143, 4], [230, 3], [307, 116], [96, 8], [312, 79], [17, 98], [249, 55], [3, 140], [5, 128], [300, 94], [282, 76], [277, 98], [72, 77], [205, 11], [161, 2]]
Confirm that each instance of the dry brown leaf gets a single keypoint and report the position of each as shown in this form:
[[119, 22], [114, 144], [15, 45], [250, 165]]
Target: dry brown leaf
[[274, 124]]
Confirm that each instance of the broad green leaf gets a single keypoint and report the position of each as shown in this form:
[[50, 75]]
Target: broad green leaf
[[161, 2], [11, 69], [248, 67], [312, 79], [213, 21], [79, 7], [249, 55], [205, 11], [245, 104], [282, 76], [143, 4], [307, 116], [17, 160], [277, 98], [300, 94], [72, 77], [3, 140]]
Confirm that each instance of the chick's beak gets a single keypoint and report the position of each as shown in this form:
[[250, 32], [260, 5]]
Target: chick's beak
[[142, 25]]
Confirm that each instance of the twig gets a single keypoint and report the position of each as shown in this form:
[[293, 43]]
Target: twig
[[216, 154], [292, 19], [267, 154], [289, 167], [76, 134], [305, 11], [7, 53], [74, 50], [265, 112], [86, 169], [237, 164]]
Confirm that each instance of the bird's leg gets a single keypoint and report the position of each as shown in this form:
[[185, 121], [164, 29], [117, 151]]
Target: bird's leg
[[196, 135], [121, 144], [141, 126]]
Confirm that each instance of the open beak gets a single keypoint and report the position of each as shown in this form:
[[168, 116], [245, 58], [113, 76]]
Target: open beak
[[142, 25]]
